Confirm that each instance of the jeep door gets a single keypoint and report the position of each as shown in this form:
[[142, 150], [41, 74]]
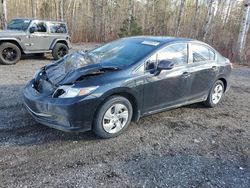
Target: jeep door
[[40, 39], [170, 87]]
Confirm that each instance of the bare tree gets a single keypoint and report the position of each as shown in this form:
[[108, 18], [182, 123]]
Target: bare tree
[[34, 8], [103, 20], [194, 21], [244, 26], [209, 18], [61, 12], [3, 16], [229, 7], [178, 23]]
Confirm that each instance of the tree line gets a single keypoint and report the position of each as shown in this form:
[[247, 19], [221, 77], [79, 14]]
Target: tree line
[[222, 23]]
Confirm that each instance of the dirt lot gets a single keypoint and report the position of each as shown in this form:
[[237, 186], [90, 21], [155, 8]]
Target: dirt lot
[[192, 146]]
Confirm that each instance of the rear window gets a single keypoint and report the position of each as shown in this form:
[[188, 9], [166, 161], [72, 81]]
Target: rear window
[[202, 53], [57, 28]]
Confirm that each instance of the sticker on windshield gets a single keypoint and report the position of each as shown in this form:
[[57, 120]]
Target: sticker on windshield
[[152, 43]]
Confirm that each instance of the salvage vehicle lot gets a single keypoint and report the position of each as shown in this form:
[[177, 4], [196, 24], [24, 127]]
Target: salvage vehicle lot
[[192, 146]]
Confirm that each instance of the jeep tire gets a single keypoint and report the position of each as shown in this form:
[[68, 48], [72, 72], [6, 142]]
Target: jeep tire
[[59, 51], [9, 53]]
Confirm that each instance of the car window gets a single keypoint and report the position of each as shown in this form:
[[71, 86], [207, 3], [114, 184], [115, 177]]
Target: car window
[[57, 28], [40, 27], [18, 24], [202, 53], [176, 53]]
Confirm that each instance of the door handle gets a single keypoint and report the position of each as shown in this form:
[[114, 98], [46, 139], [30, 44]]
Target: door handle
[[185, 74]]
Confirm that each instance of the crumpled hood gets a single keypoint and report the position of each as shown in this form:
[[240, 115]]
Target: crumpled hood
[[11, 33], [73, 66]]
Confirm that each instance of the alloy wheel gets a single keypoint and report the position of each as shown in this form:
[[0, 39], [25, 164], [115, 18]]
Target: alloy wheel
[[9, 54], [217, 93]]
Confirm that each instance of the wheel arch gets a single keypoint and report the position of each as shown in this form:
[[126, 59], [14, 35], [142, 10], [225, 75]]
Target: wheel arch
[[126, 94], [59, 41], [224, 82], [13, 41]]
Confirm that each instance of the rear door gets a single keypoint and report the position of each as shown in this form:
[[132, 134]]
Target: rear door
[[170, 87], [203, 69]]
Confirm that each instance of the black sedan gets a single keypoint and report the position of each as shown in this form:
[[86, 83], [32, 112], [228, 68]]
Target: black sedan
[[105, 88]]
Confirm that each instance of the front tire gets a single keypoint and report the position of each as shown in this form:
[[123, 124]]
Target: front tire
[[9, 54], [215, 94], [59, 51], [113, 117]]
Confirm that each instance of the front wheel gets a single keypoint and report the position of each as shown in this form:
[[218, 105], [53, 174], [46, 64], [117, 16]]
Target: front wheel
[[113, 117], [59, 51], [9, 54], [215, 94]]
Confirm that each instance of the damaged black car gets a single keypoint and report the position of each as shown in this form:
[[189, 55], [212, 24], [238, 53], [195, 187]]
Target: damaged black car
[[106, 88]]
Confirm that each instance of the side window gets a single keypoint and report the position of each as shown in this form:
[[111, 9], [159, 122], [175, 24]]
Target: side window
[[211, 55], [58, 28], [202, 53], [40, 27], [176, 53]]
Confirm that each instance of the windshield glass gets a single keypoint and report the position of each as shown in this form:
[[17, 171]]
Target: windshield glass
[[123, 52], [18, 24]]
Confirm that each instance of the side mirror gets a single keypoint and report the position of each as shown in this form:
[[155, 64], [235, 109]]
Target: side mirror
[[165, 65], [32, 29]]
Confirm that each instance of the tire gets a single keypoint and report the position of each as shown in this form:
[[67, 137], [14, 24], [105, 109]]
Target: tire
[[9, 53], [113, 117], [59, 51], [213, 99]]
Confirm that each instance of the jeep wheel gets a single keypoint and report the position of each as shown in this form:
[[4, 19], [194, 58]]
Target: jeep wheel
[[59, 51], [9, 54]]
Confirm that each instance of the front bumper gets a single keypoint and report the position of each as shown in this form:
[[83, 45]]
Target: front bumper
[[71, 115]]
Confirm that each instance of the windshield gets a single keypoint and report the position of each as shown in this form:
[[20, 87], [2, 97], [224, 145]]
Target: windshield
[[18, 24], [123, 52]]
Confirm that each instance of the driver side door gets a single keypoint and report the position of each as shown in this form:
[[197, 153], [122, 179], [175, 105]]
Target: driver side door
[[169, 87], [40, 39]]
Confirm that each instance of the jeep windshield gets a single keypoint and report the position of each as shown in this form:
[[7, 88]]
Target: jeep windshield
[[122, 53], [18, 24]]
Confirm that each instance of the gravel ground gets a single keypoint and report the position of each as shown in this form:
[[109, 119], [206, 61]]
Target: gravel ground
[[192, 146]]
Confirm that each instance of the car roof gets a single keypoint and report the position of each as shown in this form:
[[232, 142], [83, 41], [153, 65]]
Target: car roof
[[32, 19], [163, 39]]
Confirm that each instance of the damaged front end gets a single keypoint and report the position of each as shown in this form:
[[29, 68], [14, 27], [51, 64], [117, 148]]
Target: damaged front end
[[58, 79], [59, 95]]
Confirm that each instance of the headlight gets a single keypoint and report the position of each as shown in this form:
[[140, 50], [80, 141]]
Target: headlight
[[70, 91]]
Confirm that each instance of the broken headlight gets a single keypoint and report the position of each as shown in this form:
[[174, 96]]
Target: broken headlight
[[70, 91]]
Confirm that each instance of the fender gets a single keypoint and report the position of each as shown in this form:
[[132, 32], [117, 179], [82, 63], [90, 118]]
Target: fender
[[15, 40], [128, 93], [64, 40]]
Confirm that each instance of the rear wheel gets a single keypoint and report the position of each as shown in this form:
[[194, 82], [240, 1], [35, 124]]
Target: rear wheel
[[59, 51], [215, 94], [9, 54], [113, 117]]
